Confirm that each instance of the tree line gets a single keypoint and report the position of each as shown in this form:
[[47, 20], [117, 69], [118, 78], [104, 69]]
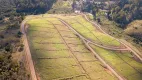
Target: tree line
[[122, 12], [18, 7], [126, 11]]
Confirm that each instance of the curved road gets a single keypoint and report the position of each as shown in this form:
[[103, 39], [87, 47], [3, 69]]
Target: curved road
[[90, 48], [86, 41], [109, 48], [29, 58], [129, 48], [115, 49]]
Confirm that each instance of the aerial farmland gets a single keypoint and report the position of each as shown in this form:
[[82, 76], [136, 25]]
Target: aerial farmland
[[60, 49]]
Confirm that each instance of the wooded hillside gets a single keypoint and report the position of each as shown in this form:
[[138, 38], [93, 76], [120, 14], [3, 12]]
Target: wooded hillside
[[126, 11], [13, 7]]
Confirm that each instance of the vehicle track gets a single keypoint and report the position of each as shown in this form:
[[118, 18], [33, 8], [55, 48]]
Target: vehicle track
[[102, 46], [86, 42], [100, 40], [28, 53], [129, 48], [33, 73], [105, 47], [71, 51]]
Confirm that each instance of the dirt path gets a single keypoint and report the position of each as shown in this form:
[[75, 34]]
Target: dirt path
[[90, 48], [129, 48], [86, 41], [29, 58], [105, 47], [71, 51], [28, 53]]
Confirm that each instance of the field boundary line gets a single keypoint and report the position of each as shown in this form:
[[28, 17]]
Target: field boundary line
[[108, 48], [127, 46], [71, 51], [28, 56], [90, 48]]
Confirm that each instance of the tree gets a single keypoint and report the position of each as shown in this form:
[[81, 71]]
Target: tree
[[126, 11], [95, 10]]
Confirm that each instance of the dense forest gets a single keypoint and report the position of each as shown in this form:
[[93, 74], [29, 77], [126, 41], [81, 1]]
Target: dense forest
[[14, 7], [126, 11]]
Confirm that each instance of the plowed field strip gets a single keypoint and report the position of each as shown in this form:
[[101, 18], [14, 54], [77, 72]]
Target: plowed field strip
[[72, 52], [129, 64], [89, 31]]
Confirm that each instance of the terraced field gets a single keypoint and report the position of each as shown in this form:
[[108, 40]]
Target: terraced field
[[60, 54], [89, 31], [123, 62]]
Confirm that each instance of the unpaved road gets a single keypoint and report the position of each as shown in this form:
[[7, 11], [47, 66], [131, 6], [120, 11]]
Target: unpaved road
[[86, 41], [28, 53], [90, 48], [127, 47], [29, 58]]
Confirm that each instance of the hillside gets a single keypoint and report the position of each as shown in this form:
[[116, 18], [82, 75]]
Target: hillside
[[69, 46], [61, 7], [12, 59], [70, 40], [134, 29], [13, 7], [126, 11], [121, 11]]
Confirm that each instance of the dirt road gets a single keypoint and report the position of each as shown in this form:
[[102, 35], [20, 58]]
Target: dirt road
[[28, 53], [86, 41], [129, 48]]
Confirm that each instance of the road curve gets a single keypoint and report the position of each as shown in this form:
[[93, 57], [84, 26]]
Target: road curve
[[102, 46], [108, 48], [27, 52], [86, 42], [129, 48], [29, 58]]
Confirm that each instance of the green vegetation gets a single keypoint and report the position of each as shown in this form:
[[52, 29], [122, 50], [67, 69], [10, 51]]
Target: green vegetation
[[134, 30], [111, 27], [10, 49], [11, 70], [122, 12], [59, 54], [14, 7], [123, 62], [115, 15], [61, 7], [126, 11], [90, 32]]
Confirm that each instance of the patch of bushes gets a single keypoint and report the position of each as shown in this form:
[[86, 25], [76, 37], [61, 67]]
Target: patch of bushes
[[10, 70]]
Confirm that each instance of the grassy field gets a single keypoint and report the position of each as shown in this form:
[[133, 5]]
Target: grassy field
[[89, 31], [59, 54], [56, 49], [122, 62], [61, 7]]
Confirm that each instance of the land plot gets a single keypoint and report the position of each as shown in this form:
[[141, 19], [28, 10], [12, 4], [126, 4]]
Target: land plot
[[122, 62], [84, 57], [57, 68], [63, 56], [87, 30]]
